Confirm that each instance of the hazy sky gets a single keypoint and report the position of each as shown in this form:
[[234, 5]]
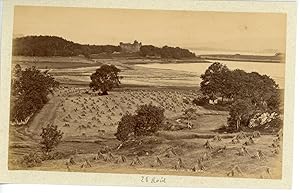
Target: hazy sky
[[213, 30]]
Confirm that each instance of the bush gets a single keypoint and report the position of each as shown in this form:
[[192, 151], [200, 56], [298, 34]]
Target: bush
[[57, 155], [146, 121], [271, 127], [31, 160], [126, 127], [51, 137], [190, 113]]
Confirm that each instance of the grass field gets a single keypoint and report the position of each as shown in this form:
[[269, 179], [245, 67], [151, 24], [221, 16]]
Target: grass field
[[89, 123]]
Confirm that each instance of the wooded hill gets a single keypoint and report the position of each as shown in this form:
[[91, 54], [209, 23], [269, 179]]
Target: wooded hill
[[57, 46]]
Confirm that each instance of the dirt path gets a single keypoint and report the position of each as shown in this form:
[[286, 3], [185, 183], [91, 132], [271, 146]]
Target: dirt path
[[45, 116]]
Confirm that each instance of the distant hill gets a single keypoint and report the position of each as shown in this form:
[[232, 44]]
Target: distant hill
[[57, 46]]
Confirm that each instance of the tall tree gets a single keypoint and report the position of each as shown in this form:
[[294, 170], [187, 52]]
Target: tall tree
[[105, 78], [214, 81], [30, 90]]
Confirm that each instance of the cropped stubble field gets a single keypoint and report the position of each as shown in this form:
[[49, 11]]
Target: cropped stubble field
[[89, 122]]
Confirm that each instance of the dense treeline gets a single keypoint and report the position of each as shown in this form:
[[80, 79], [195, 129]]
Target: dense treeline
[[30, 90], [56, 46], [248, 94], [165, 52]]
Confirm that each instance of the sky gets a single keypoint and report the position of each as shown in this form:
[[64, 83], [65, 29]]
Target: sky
[[251, 32]]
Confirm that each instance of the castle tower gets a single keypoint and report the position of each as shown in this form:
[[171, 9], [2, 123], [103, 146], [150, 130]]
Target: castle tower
[[130, 48]]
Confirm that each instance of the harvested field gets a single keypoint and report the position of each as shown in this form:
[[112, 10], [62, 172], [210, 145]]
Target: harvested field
[[89, 122]]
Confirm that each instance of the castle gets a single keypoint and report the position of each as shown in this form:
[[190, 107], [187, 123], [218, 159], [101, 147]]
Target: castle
[[130, 48]]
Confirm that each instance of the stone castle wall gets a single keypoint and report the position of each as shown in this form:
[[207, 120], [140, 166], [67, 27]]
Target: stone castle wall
[[130, 48]]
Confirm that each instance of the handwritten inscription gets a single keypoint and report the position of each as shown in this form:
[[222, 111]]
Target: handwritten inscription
[[153, 179]]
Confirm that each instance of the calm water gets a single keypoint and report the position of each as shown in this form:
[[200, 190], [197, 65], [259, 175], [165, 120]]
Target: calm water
[[274, 70]]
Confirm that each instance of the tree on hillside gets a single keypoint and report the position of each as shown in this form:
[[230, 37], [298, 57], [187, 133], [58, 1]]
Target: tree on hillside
[[30, 90], [105, 78]]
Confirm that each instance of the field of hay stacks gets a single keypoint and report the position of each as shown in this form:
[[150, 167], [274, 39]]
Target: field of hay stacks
[[89, 122]]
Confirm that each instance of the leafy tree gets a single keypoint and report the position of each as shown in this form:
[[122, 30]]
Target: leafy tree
[[259, 88], [214, 81], [219, 81], [30, 90], [105, 78], [51, 137]]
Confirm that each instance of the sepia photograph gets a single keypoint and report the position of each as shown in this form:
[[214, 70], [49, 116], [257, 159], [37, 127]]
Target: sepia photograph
[[151, 92]]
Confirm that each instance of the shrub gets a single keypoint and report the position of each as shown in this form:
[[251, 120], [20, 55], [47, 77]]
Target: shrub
[[200, 101], [189, 113], [126, 127], [271, 127], [57, 155], [31, 160], [51, 137], [146, 121]]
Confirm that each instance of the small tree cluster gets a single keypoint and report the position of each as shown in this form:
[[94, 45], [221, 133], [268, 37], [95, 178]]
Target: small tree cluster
[[146, 120], [248, 93], [166, 52], [219, 81]]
